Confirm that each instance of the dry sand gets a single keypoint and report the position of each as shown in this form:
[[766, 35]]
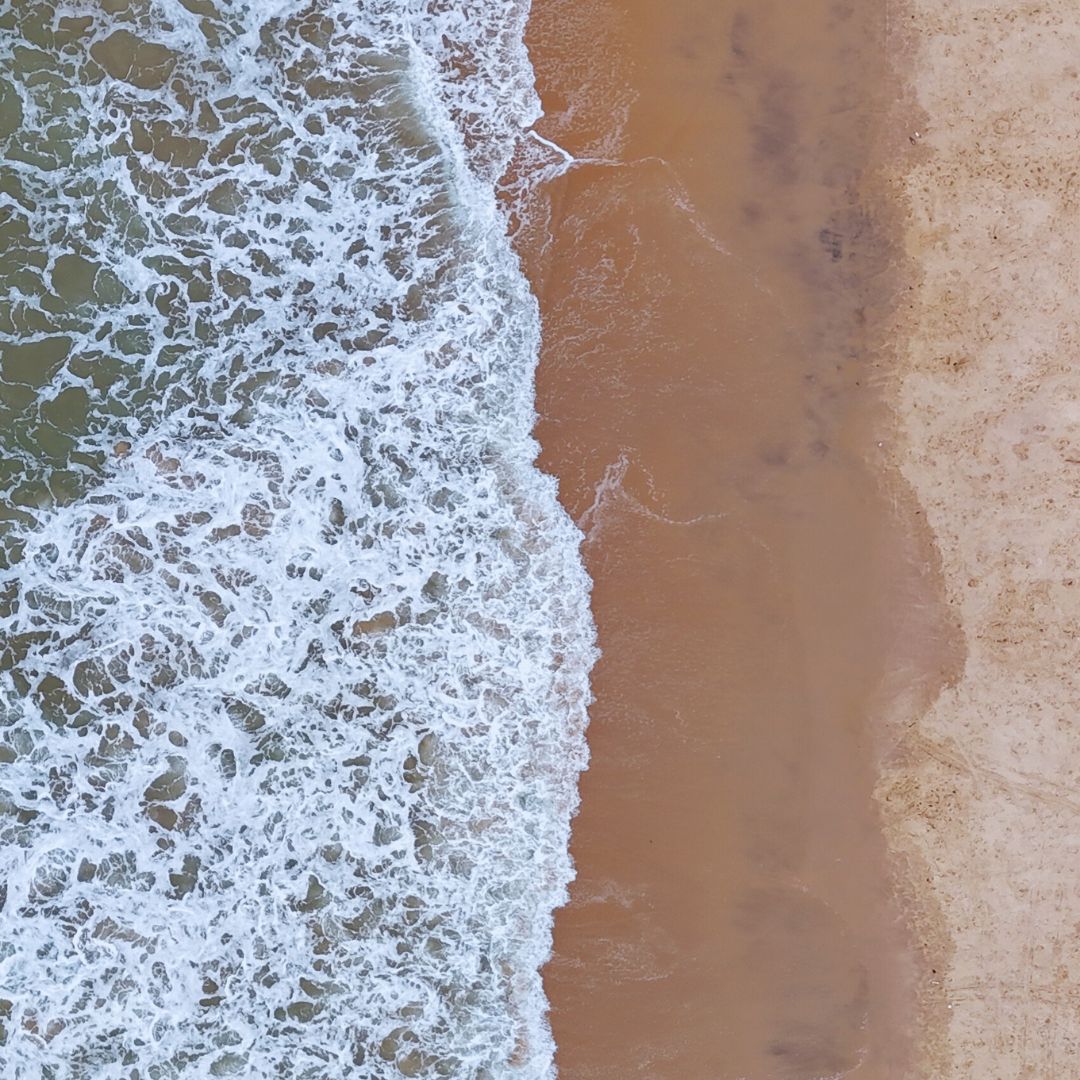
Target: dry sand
[[981, 798], [713, 277]]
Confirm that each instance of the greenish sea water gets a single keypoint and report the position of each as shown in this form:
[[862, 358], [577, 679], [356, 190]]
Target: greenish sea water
[[294, 637]]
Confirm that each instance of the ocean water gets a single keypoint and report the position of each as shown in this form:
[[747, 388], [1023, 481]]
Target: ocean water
[[294, 636]]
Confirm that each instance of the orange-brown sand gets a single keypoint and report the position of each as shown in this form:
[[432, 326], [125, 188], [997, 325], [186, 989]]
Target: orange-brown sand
[[714, 274]]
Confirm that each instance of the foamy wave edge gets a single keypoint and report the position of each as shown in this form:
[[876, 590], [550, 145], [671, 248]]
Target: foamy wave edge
[[296, 705]]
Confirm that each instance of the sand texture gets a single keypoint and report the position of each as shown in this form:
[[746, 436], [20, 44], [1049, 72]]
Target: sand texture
[[982, 797]]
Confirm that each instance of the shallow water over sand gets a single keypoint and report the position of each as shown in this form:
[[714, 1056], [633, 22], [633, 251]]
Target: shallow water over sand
[[711, 280], [295, 637]]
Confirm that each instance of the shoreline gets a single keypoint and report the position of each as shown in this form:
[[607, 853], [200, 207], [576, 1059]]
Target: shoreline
[[713, 398]]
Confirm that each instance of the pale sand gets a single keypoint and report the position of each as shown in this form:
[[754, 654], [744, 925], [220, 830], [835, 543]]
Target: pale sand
[[982, 799]]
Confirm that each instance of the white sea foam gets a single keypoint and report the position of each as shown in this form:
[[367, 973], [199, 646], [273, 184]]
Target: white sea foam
[[296, 637]]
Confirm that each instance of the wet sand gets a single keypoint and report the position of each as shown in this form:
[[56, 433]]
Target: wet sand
[[714, 288]]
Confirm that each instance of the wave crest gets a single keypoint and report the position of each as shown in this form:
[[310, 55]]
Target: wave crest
[[295, 636]]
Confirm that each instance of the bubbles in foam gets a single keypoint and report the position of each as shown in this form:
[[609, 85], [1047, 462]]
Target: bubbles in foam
[[295, 636]]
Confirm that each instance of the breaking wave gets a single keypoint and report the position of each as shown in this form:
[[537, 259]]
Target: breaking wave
[[294, 636]]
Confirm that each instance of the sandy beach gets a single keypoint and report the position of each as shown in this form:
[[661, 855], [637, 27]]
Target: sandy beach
[[295, 638], [980, 798], [716, 276], [807, 385]]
